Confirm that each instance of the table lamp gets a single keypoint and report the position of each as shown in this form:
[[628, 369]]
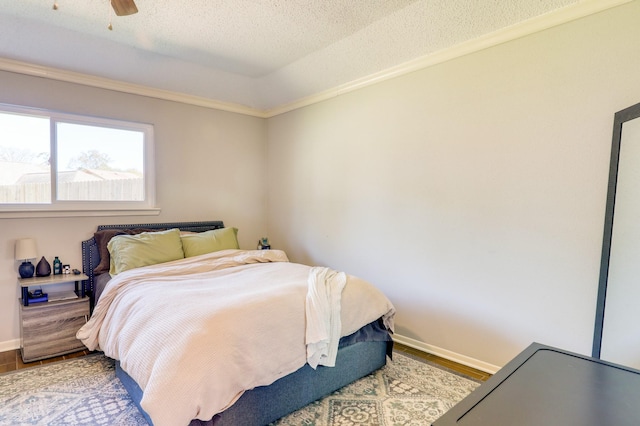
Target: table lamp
[[25, 251]]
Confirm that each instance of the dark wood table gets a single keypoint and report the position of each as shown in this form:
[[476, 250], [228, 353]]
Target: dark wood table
[[549, 386]]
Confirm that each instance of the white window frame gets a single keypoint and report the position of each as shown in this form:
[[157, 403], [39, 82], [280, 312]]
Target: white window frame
[[63, 208]]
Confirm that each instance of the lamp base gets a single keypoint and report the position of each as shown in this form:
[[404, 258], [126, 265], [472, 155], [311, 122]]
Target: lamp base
[[26, 269]]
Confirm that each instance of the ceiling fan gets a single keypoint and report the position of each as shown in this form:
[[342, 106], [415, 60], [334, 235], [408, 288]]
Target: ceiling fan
[[124, 7]]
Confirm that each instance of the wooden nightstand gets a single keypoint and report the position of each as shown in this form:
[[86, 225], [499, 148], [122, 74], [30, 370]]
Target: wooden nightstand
[[48, 329]]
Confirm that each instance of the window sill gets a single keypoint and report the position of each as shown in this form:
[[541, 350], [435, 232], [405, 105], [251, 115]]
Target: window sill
[[29, 214]]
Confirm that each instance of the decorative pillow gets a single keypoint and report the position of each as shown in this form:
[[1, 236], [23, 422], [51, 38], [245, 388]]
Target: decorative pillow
[[148, 248], [102, 239], [209, 241]]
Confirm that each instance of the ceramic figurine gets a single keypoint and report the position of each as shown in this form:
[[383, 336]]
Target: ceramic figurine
[[43, 269]]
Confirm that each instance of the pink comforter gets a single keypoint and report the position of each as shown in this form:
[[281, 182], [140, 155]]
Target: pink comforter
[[197, 332]]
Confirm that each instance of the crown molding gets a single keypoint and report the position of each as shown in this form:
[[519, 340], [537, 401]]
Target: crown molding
[[525, 28], [570, 13], [121, 86]]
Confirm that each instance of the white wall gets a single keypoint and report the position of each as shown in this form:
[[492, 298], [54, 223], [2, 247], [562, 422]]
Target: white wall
[[473, 192], [209, 167]]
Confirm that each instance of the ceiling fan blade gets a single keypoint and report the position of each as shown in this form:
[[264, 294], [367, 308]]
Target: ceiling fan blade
[[124, 7]]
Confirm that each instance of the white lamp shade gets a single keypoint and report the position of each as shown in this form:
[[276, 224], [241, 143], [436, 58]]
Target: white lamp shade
[[26, 249]]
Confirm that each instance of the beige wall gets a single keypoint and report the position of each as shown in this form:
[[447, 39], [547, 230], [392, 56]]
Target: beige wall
[[209, 167], [473, 192]]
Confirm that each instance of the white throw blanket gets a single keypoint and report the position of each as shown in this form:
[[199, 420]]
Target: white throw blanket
[[196, 333], [323, 315]]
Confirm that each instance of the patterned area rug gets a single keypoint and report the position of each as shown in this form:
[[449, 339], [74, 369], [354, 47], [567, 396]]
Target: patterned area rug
[[85, 391], [405, 392]]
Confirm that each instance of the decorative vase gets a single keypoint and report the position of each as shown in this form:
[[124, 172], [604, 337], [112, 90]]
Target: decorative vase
[[26, 269], [43, 269]]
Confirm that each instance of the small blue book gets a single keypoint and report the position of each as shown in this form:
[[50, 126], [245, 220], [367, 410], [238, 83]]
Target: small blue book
[[43, 297]]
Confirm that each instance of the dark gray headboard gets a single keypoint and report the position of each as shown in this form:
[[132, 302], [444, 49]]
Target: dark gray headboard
[[91, 255]]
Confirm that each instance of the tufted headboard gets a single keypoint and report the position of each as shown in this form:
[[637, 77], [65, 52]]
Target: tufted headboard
[[91, 254]]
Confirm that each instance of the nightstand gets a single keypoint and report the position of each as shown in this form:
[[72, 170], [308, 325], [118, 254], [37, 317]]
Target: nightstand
[[48, 329]]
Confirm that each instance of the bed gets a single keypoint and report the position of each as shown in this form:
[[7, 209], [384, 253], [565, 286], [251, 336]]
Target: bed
[[356, 339]]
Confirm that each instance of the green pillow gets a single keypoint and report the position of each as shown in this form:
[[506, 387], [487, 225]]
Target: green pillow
[[195, 244], [148, 248]]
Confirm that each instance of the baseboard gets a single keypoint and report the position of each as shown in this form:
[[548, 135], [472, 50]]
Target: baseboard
[[443, 353], [412, 343], [9, 345]]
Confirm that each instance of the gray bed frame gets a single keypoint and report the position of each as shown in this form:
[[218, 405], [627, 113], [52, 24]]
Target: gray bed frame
[[358, 356]]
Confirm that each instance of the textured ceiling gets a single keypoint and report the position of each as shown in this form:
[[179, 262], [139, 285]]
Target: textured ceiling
[[257, 53]]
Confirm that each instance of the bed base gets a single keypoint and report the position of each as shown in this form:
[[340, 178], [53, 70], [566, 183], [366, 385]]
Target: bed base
[[265, 404]]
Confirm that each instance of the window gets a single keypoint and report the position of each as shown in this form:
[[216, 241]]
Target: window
[[52, 161]]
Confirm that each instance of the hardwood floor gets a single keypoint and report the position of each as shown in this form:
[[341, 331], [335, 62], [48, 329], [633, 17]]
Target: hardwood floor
[[11, 360], [459, 368]]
